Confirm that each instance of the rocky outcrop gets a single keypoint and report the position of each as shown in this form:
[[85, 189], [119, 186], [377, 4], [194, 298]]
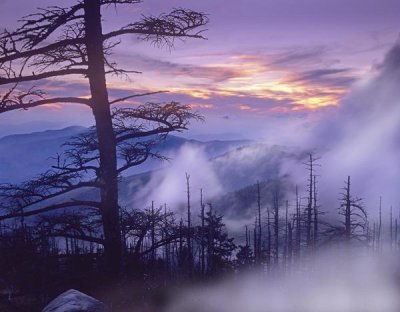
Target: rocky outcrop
[[75, 301]]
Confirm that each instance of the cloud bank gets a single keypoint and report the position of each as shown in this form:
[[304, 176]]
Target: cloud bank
[[363, 138]]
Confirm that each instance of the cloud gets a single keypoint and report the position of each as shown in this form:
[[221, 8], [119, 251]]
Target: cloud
[[301, 77], [362, 138], [294, 57], [211, 72], [169, 185], [333, 77]]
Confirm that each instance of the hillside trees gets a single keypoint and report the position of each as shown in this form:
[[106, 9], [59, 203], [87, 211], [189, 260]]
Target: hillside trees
[[219, 245], [63, 42]]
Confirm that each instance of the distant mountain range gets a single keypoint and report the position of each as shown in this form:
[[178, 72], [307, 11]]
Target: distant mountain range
[[236, 171], [228, 170], [23, 156]]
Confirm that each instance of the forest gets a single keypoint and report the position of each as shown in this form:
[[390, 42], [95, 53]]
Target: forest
[[165, 247]]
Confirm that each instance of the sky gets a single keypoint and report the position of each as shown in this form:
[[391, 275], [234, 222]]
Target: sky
[[267, 68], [321, 75]]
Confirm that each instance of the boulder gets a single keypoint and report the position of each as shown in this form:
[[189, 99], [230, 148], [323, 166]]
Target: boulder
[[75, 301]]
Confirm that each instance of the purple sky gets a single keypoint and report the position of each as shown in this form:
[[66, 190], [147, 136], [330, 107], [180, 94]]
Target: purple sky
[[267, 64]]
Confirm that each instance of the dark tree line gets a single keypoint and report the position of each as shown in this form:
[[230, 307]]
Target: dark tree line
[[162, 247]]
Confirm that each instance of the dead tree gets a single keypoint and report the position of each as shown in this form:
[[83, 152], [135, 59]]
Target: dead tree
[[210, 241], [259, 232], [298, 224], [202, 234], [355, 215], [189, 222], [153, 232], [155, 225], [395, 234], [275, 205], [286, 247], [166, 229], [255, 240], [316, 213], [268, 251], [374, 238], [310, 164], [62, 42], [290, 244], [391, 227], [379, 238]]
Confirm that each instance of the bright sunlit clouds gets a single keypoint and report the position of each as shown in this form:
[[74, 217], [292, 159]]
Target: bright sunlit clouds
[[247, 77]]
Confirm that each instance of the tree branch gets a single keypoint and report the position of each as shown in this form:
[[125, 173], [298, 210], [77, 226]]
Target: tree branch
[[55, 73], [43, 50], [135, 96], [73, 203], [163, 29], [6, 107], [83, 237]]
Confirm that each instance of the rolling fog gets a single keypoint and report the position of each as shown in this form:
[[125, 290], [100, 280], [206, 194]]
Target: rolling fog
[[335, 281]]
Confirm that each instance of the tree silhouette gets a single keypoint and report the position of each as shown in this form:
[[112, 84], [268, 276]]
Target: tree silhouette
[[59, 41], [355, 216], [219, 245]]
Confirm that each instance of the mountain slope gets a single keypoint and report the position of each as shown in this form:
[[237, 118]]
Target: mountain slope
[[23, 156]]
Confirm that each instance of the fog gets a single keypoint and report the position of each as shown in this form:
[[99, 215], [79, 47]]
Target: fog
[[169, 185], [332, 282], [361, 138]]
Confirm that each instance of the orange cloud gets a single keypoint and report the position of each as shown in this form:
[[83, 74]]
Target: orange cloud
[[244, 76], [201, 106], [254, 78]]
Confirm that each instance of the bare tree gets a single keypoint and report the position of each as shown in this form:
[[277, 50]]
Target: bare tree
[[311, 204], [298, 224], [355, 216], [189, 222], [379, 237], [395, 234], [259, 232], [60, 42], [203, 234], [290, 245], [155, 225], [275, 205], [391, 227]]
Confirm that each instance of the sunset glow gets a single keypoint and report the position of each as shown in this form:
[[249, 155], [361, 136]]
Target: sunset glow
[[260, 60]]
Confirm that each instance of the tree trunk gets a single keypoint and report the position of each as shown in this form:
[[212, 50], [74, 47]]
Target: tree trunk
[[298, 224], [310, 202], [189, 225], [380, 224], [276, 226], [391, 228], [348, 212], [395, 234], [290, 244], [259, 251], [107, 175], [316, 214], [203, 261]]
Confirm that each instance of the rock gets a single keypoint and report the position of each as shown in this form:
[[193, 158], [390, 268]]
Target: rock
[[75, 301]]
